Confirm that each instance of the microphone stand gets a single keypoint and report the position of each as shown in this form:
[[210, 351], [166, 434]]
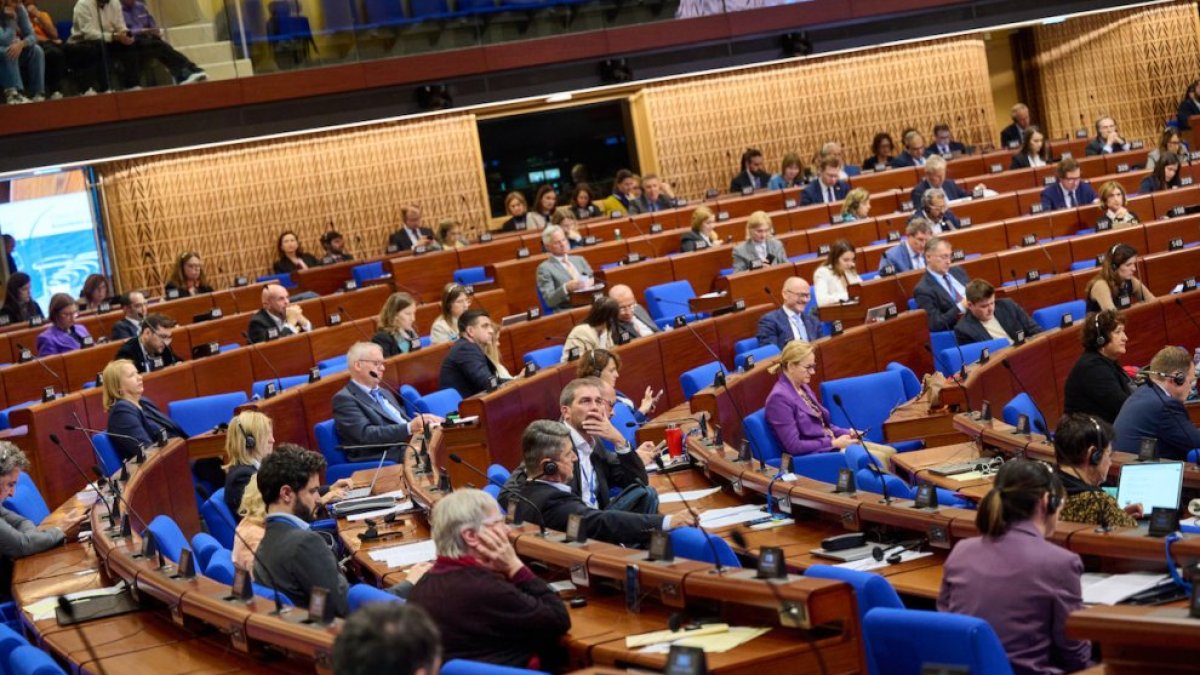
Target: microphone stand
[[879, 472], [454, 457], [40, 362], [718, 568]]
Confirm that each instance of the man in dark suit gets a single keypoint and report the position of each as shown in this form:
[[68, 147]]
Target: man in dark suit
[[548, 454], [944, 144], [277, 318], [941, 292], [1155, 409], [585, 412], [1012, 135], [130, 325], [752, 174], [365, 413], [932, 208], [1108, 139], [467, 369], [1070, 191], [935, 177], [914, 150], [790, 322], [910, 253], [828, 188], [633, 321], [412, 232], [653, 197], [151, 349], [988, 318]]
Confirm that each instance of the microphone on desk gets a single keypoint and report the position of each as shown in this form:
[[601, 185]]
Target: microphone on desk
[[718, 568], [87, 481], [35, 357], [1190, 316], [1025, 390], [278, 379], [646, 241], [1012, 272], [874, 461], [767, 290], [454, 457], [87, 433], [363, 333], [1053, 267]]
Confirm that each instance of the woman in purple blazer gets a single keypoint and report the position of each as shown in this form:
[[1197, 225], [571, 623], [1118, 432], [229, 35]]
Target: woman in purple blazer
[[1028, 597], [63, 335], [800, 422]]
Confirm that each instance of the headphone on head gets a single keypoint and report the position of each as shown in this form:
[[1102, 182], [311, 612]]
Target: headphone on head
[[1101, 340], [251, 443], [1053, 498], [549, 468], [1178, 377], [1097, 454], [1112, 253]]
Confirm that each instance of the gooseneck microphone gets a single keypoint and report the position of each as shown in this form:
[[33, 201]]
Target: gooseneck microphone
[[363, 333], [1024, 390], [454, 457], [874, 461], [86, 481], [1192, 318], [62, 385], [718, 568], [278, 382], [1053, 267]]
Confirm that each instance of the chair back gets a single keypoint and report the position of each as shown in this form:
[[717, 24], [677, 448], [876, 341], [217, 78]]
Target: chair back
[[367, 272], [27, 500], [545, 357], [699, 377], [204, 545], [333, 364], [868, 481], [666, 301], [441, 402], [217, 518], [167, 536], [409, 396], [27, 660], [745, 345], [203, 413], [939, 341], [1051, 317], [758, 354], [284, 280], [822, 466], [1022, 404], [465, 667], [912, 385], [869, 400], [259, 389], [469, 276], [870, 591], [953, 359], [362, 594], [328, 442], [621, 419], [498, 474], [110, 461], [762, 437], [691, 543], [945, 638]]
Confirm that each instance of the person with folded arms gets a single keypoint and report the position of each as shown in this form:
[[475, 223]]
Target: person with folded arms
[[1097, 384], [487, 604], [277, 318], [1155, 409], [550, 458], [1083, 451], [1108, 139], [761, 247], [1024, 586]]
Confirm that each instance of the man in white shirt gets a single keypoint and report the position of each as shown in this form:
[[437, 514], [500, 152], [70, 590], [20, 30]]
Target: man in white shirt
[[790, 321], [130, 324], [99, 39], [942, 291]]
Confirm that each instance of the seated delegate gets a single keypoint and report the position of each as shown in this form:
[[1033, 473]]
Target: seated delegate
[[1114, 205], [606, 365], [1116, 285], [455, 301], [292, 257], [278, 316], [1155, 409], [134, 422], [832, 280], [1097, 384], [133, 308], [187, 276], [63, 334], [909, 254], [941, 292], [249, 438], [989, 318], [760, 247], [19, 305], [560, 273], [1083, 451], [595, 331], [703, 233], [395, 328], [1028, 598], [467, 368], [150, 349], [365, 413], [790, 322]]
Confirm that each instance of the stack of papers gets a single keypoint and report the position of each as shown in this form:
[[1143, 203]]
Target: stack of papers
[[689, 495], [712, 638], [1110, 589], [868, 564], [734, 515], [405, 554]]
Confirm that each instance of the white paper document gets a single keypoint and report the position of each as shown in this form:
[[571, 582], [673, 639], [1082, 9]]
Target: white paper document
[[734, 515], [405, 554], [379, 513], [1110, 589], [868, 564], [690, 495]]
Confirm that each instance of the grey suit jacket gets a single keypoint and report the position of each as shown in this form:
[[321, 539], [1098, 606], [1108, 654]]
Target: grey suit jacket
[[627, 329], [743, 254], [359, 420], [552, 276]]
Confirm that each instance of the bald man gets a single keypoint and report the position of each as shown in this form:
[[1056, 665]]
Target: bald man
[[790, 321], [278, 317], [633, 321]]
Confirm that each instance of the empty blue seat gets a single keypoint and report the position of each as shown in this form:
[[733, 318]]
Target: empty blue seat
[[204, 545], [203, 413], [334, 364], [761, 437], [220, 569], [362, 594], [106, 454], [870, 591], [167, 535], [1083, 264], [441, 402], [938, 341], [1022, 404], [498, 474], [409, 396], [1051, 317], [469, 276], [465, 667], [383, 14], [699, 377], [259, 389], [758, 354], [367, 272], [217, 518], [912, 385], [690, 543], [945, 638], [284, 280], [669, 300], [9, 641], [336, 464], [5, 412], [822, 466], [745, 345], [953, 359], [868, 400], [27, 660], [27, 500], [545, 357]]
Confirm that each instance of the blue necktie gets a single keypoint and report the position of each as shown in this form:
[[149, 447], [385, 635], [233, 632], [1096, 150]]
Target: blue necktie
[[799, 324], [388, 409]]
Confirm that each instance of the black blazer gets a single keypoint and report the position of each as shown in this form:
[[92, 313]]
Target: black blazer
[[296, 560], [937, 303], [1011, 133], [1187, 108], [692, 241], [952, 190], [1150, 413], [147, 424], [132, 350], [1096, 147], [125, 329], [1151, 184], [359, 420], [1021, 161], [467, 369], [955, 146], [237, 477], [642, 205], [554, 506], [873, 164], [286, 266], [1011, 317], [183, 292], [1096, 385], [391, 347], [613, 470], [260, 326], [742, 181], [403, 242]]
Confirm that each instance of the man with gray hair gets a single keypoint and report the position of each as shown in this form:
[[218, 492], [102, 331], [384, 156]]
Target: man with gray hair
[[19, 537], [550, 458], [487, 604], [935, 177], [561, 273], [942, 290], [935, 212], [366, 413]]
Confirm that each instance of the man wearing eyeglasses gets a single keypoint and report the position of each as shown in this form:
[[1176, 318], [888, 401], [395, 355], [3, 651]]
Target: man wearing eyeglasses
[[789, 322], [633, 321], [365, 411], [135, 311], [151, 349], [942, 291]]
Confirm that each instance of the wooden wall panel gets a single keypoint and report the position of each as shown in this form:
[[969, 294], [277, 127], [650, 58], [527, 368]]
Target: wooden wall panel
[[701, 126], [231, 203], [1130, 65]]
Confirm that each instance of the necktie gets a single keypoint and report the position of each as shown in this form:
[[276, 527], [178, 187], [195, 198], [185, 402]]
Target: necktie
[[386, 406], [829, 199], [953, 291], [566, 261], [799, 324], [917, 262], [1071, 199]]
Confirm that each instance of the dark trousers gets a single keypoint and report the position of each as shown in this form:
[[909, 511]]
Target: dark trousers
[[93, 61], [56, 65], [156, 48]]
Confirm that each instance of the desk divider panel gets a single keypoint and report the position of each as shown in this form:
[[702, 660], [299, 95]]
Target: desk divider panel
[[639, 276], [423, 274], [360, 303], [327, 279], [1160, 233], [700, 268]]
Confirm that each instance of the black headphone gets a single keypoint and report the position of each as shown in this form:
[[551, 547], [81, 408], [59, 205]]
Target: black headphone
[[1112, 256], [1053, 498], [251, 443], [1101, 340], [1098, 453], [550, 468], [1178, 377]]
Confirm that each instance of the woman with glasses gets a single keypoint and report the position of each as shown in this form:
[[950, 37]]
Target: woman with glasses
[[63, 335], [801, 424], [1169, 143]]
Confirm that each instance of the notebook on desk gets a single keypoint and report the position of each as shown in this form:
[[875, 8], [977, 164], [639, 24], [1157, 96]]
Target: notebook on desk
[[1151, 484]]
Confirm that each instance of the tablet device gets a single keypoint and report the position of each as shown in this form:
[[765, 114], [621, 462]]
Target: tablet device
[[1151, 484]]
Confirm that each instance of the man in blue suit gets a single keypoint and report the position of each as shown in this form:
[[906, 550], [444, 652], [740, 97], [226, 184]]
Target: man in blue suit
[[914, 150], [935, 177], [1155, 409], [944, 144], [942, 291], [366, 413], [910, 253], [828, 187], [789, 322], [467, 369], [1070, 191]]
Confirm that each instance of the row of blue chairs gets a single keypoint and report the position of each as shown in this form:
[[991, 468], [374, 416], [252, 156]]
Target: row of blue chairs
[[18, 657]]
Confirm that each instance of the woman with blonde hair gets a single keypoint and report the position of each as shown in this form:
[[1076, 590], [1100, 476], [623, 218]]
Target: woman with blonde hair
[[801, 424], [251, 527], [857, 205], [449, 235], [703, 233], [248, 439], [396, 326], [130, 415], [760, 247]]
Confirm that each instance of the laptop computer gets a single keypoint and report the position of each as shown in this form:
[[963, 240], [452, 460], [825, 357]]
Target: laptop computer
[[1151, 484], [358, 493]]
